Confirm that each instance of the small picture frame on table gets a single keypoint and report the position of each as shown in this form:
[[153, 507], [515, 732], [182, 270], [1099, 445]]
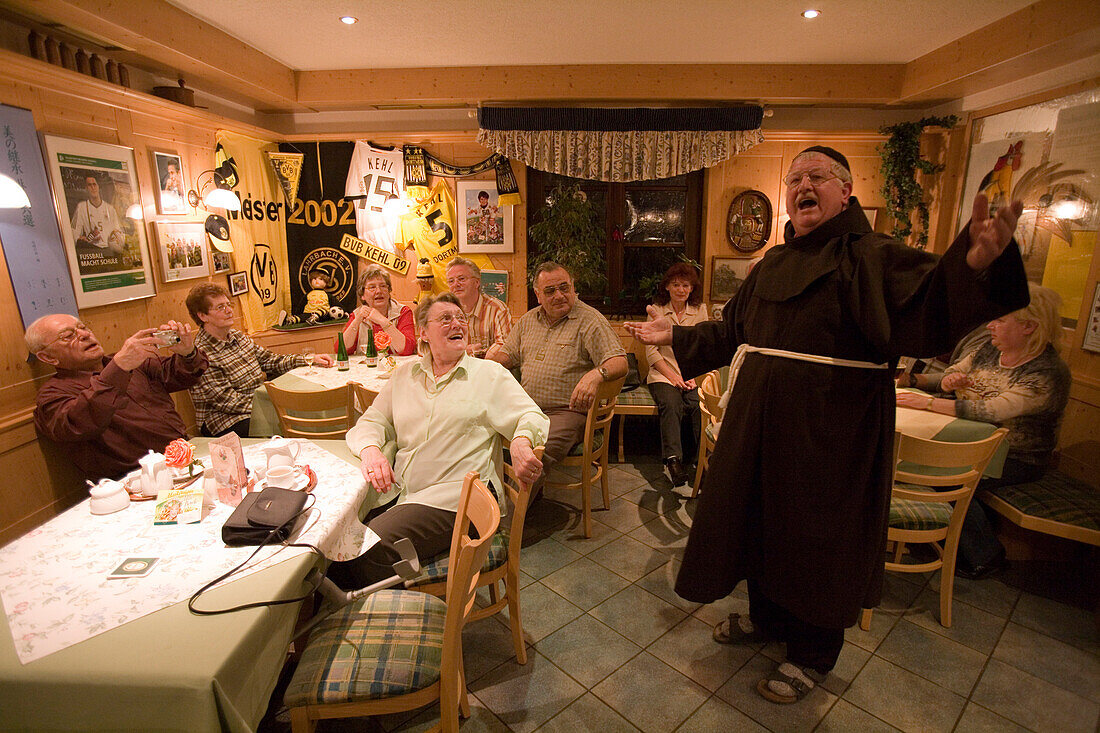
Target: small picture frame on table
[[170, 186], [238, 283]]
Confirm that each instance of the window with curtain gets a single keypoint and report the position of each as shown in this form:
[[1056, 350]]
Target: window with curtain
[[649, 226]]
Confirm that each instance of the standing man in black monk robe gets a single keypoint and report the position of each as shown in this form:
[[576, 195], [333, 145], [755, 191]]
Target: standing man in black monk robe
[[798, 493]]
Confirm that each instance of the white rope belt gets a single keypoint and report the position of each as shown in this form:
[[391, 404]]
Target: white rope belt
[[739, 358]]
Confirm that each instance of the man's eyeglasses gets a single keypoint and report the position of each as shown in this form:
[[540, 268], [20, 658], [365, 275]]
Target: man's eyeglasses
[[563, 288], [447, 319], [817, 176], [459, 280], [68, 335]]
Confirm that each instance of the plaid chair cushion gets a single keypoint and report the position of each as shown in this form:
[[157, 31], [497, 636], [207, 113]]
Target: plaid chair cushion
[[578, 449], [919, 515], [712, 431], [436, 570], [640, 397], [387, 644], [1056, 497]]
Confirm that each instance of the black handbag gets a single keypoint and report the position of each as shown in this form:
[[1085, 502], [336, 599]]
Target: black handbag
[[273, 512]]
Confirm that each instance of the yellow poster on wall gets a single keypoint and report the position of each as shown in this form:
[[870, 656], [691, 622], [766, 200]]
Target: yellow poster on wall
[[429, 227], [258, 230], [1067, 269]]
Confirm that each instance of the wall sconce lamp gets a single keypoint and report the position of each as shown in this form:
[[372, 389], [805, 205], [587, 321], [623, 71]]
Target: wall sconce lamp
[[12, 195], [215, 193]]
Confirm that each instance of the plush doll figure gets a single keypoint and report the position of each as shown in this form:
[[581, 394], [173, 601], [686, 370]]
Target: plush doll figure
[[317, 308], [424, 278]]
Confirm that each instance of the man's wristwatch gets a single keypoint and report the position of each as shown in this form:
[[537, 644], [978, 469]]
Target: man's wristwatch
[[603, 372]]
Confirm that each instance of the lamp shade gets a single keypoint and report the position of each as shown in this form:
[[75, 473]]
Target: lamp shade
[[221, 198], [12, 195]]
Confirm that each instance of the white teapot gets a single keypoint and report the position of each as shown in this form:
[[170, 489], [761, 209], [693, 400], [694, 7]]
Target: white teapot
[[155, 476], [281, 452]]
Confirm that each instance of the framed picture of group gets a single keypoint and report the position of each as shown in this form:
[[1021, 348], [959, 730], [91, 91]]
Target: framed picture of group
[[182, 249]]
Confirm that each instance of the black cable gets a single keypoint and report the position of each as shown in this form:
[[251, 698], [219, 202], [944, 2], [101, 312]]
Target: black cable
[[258, 604]]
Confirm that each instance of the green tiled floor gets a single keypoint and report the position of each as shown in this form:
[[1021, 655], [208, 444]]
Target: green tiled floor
[[612, 648]]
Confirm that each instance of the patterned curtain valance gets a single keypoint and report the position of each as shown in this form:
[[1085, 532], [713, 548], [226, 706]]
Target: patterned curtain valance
[[620, 145]]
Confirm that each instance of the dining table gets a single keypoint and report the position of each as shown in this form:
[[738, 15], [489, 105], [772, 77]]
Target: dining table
[[949, 429], [265, 422], [82, 651]]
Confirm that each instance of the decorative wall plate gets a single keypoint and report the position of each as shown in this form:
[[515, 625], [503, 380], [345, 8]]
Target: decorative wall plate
[[749, 222]]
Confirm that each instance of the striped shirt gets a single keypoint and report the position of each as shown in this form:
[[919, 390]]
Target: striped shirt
[[223, 396], [490, 322]]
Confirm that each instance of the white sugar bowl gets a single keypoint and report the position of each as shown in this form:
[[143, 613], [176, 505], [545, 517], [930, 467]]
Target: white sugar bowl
[[108, 497]]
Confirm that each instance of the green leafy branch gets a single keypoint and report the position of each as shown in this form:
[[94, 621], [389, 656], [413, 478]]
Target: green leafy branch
[[569, 233], [901, 162]]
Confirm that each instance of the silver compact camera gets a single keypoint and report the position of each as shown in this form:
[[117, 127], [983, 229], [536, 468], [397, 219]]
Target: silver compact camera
[[168, 336]]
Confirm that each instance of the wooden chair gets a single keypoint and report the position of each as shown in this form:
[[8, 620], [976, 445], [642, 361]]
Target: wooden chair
[[710, 393], [362, 398], [920, 513], [324, 415], [398, 650], [591, 453], [502, 564]]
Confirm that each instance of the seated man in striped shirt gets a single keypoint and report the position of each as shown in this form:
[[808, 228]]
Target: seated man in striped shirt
[[489, 319]]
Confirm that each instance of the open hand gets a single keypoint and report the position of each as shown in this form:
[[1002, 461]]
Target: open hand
[[655, 332], [989, 235]]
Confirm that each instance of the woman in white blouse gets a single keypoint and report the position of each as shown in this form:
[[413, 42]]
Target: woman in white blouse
[[446, 414], [680, 299]]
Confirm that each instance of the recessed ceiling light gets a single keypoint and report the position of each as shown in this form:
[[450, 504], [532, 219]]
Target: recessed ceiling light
[[348, 20], [810, 14]]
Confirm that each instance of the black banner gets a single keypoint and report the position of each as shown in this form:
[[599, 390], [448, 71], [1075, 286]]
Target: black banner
[[318, 220]]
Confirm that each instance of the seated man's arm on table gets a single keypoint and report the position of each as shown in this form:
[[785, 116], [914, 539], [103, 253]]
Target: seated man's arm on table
[[371, 432]]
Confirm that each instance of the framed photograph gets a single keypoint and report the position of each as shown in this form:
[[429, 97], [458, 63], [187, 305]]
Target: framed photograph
[[727, 274], [221, 261], [94, 187], [182, 248], [238, 283], [494, 284], [483, 224], [1091, 341], [171, 189]]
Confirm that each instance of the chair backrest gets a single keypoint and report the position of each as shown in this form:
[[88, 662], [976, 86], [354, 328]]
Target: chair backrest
[[937, 463], [519, 494], [600, 413], [710, 393], [477, 506], [324, 415], [362, 398]]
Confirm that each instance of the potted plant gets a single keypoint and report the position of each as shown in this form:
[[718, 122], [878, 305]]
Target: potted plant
[[569, 232], [901, 162]]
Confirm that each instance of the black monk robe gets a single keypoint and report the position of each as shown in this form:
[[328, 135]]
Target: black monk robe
[[798, 490]]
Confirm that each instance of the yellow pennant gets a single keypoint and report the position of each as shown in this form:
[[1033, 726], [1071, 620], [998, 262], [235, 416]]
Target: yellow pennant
[[288, 172]]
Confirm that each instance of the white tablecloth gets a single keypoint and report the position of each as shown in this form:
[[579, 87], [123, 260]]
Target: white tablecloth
[[372, 378], [53, 580]]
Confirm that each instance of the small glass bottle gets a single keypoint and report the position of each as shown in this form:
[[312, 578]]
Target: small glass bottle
[[341, 354], [371, 351]]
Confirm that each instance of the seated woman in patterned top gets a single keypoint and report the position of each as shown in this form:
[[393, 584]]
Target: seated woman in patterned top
[[1015, 379]]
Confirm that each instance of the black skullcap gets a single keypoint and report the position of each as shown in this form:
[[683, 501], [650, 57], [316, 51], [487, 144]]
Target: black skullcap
[[829, 153]]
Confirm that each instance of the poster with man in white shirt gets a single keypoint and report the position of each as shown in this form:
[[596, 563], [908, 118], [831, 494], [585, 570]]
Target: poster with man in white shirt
[[100, 241]]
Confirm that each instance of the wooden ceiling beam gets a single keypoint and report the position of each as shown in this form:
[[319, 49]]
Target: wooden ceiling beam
[[834, 84], [1038, 38], [177, 43]]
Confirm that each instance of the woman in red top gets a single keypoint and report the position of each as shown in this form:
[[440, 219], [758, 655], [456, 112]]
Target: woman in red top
[[381, 313]]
